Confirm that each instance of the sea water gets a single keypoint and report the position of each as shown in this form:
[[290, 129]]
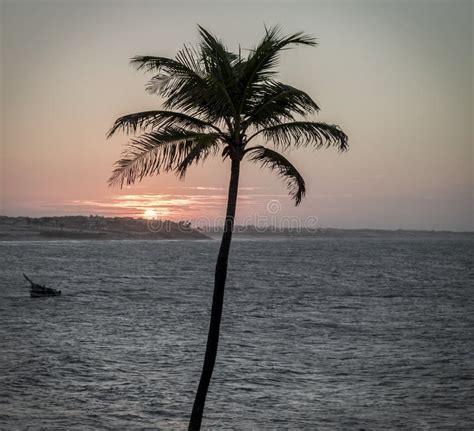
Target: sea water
[[317, 333]]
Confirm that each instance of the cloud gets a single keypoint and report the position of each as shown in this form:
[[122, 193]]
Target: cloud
[[173, 206]]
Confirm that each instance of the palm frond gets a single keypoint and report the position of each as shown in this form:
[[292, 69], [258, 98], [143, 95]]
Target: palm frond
[[192, 82], [304, 133], [200, 152], [279, 164], [261, 62], [264, 58], [220, 71], [154, 152], [218, 58], [149, 63], [276, 101], [180, 85], [190, 56], [158, 119]]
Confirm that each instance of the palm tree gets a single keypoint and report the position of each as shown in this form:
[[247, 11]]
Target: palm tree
[[218, 102]]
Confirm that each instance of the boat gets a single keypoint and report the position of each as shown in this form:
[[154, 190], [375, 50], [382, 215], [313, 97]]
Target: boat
[[40, 291]]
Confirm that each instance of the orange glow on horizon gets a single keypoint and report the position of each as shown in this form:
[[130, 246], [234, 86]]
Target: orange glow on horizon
[[150, 214]]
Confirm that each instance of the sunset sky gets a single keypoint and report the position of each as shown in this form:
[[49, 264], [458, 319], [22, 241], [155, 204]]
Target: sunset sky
[[395, 75]]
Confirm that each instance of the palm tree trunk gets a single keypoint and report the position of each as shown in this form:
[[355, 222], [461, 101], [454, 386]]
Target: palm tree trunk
[[217, 301]]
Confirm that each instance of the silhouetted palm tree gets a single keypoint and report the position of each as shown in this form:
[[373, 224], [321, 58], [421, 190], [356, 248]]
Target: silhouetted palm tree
[[218, 103]]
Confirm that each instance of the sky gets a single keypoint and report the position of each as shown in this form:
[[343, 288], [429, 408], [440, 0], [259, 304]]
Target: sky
[[397, 76]]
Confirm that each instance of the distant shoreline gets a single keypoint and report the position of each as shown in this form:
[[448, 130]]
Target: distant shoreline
[[99, 228], [94, 228], [87, 237], [252, 231]]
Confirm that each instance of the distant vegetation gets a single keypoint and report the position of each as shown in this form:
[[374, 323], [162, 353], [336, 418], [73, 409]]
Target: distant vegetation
[[93, 227]]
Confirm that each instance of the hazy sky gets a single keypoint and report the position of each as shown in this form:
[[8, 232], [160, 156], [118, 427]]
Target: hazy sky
[[396, 75]]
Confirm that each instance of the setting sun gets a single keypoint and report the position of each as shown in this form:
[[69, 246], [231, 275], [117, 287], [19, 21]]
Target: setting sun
[[150, 214]]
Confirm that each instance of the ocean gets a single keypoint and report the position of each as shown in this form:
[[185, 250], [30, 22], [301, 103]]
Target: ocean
[[317, 333]]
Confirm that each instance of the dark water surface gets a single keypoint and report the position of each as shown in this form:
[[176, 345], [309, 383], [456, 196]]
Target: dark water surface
[[317, 334]]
